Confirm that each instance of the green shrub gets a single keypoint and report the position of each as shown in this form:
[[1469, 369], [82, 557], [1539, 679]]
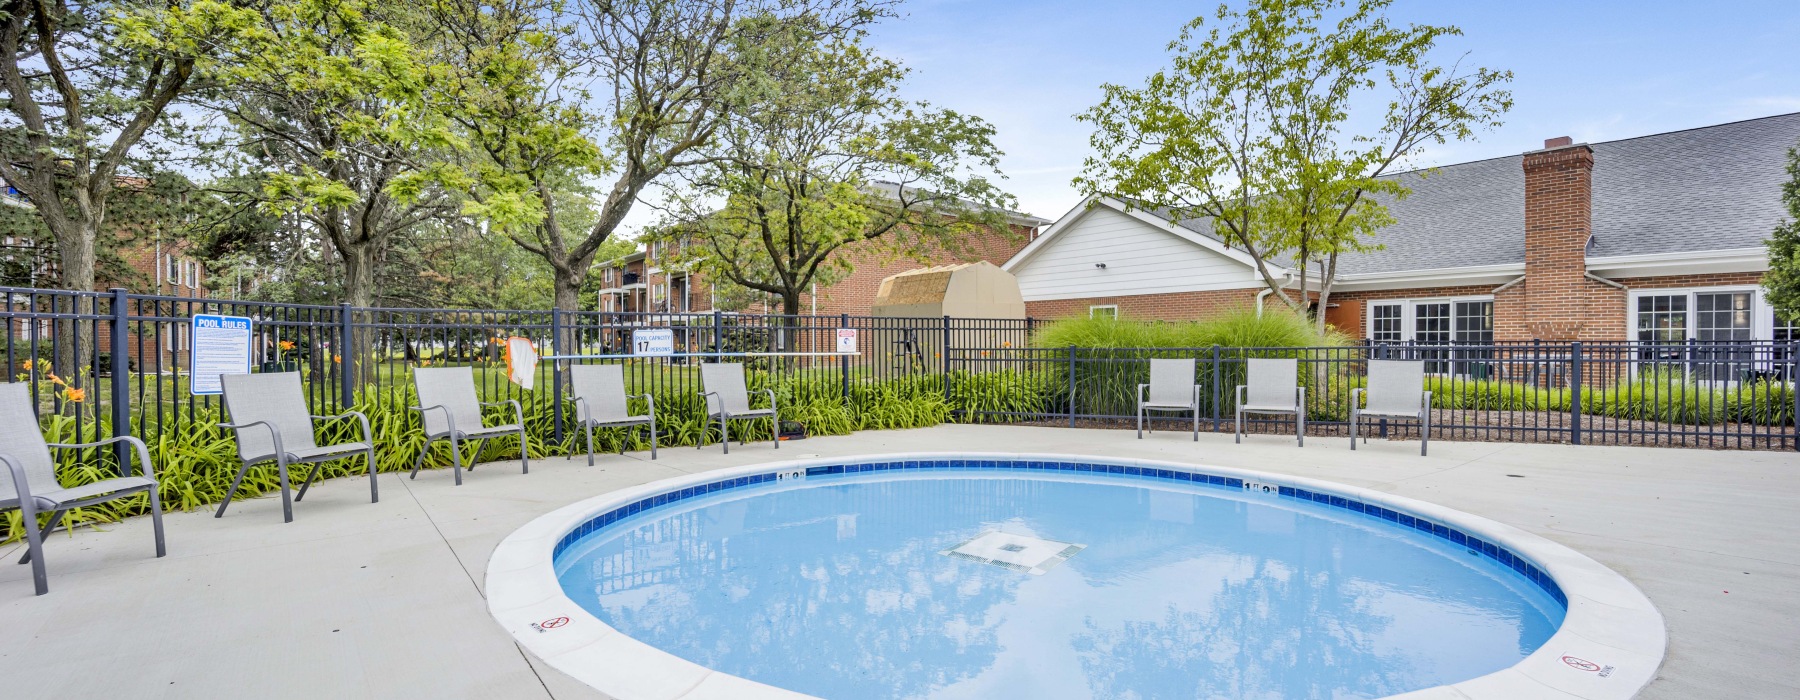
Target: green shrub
[[196, 463], [1232, 328]]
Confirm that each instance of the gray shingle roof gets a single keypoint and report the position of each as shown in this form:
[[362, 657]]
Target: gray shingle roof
[[1711, 188]]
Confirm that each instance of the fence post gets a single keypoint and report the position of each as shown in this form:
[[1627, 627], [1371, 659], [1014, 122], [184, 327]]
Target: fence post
[[121, 379], [844, 362], [1215, 387], [346, 356], [718, 332], [556, 392], [1071, 386], [1575, 392], [1793, 385], [944, 358]]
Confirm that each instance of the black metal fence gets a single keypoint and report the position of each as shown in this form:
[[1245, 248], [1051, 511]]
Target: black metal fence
[[113, 362]]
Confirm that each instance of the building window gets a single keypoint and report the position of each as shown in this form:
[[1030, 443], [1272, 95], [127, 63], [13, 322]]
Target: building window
[[1110, 311], [1662, 318], [1386, 323]]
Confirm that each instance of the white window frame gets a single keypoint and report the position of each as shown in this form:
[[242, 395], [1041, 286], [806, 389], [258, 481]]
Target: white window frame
[[1409, 313], [1762, 315], [1094, 309]]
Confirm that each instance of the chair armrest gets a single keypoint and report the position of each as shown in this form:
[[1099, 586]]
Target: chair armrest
[[21, 486], [649, 401], [1299, 398], [449, 419], [1240, 394], [137, 446], [1140, 392], [273, 433], [706, 396], [368, 435], [581, 409], [518, 413], [1356, 398], [1424, 402], [771, 393]]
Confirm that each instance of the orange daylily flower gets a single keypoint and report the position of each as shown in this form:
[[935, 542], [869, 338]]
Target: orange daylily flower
[[26, 365], [337, 359], [286, 344], [74, 395], [57, 380]]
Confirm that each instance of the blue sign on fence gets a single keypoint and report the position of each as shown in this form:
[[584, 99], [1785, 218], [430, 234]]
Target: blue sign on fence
[[221, 345]]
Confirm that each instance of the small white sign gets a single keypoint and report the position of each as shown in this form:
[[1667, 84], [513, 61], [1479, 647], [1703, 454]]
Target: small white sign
[[221, 345], [653, 341], [846, 340]]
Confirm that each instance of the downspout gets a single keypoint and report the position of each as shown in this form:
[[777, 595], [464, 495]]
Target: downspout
[[1287, 278]]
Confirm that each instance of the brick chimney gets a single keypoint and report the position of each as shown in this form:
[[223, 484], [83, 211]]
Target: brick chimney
[[1558, 222]]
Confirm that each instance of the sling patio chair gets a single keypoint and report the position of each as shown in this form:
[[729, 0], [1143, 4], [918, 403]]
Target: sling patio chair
[[1274, 388], [450, 410], [272, 424], [601, 402], [1172, 388], [727, 399], [1396, 390], [32, 488]]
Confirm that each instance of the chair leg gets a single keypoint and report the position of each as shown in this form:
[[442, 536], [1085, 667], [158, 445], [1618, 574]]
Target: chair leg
[[309, 479], [34, 547], [156, 522], [590, 442], [725, 431], [374, 485], [48, 530], [420, 460], [775, 430], [1196, 424], [229, 493], [1237, 426], [475, 456], [1140, 422], [287, 502], [524, 452], [1424, 432], [1352, 429], [652, 439], [1300, 424], [456, 457]]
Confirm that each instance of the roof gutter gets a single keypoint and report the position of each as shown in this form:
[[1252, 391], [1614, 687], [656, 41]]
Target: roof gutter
[[1287, 279]]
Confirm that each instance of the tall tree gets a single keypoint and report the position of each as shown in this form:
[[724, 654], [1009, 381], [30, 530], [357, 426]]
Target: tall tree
[[1253, 128], [832, 156], [86, 83], [628, 92], [1782, 281], [334, 125]]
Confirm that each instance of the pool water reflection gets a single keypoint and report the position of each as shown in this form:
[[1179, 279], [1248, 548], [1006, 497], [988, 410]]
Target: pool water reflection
[[837, 588]]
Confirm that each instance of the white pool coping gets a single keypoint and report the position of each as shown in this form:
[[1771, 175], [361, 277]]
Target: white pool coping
[[1609, 646]]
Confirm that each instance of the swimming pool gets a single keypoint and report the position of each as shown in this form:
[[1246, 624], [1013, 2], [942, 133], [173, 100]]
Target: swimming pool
[[1052, 576]]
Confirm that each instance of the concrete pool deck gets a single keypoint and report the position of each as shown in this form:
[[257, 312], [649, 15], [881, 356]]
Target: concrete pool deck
[[383, 600]]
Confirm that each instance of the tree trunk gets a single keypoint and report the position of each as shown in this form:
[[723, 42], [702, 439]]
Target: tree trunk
[[75, 246]]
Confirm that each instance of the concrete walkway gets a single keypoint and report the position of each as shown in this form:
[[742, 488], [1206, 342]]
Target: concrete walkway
[[354, 600]]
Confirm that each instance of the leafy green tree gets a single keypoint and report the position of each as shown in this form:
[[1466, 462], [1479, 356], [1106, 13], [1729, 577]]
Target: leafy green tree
[[831, 156], [332, 122], [86, 84], [612, 92], [1251, 128], [1782, 281]]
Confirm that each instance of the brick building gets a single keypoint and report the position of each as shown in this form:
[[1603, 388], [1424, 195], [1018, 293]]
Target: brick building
[[639, 282], [155, 264], [1656, 238]]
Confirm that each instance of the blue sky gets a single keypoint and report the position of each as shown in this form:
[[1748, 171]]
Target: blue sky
[[1592, 70]]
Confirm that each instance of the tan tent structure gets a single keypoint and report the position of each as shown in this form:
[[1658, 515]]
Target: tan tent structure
[[970, 290], [977, 290]]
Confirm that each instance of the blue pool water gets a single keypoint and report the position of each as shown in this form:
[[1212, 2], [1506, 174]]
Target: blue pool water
[[838, 586]]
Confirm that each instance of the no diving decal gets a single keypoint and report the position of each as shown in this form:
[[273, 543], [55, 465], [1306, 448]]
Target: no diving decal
[[1581, 664], [550, 624]]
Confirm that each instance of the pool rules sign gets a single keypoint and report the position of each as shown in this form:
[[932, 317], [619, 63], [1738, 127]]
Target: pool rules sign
[[846, 341], [221, 345]]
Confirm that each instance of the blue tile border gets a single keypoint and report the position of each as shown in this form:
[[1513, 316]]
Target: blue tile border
[[1471, 543]]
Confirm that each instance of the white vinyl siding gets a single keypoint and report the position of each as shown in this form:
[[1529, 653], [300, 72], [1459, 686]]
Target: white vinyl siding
[[1140, 258]]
